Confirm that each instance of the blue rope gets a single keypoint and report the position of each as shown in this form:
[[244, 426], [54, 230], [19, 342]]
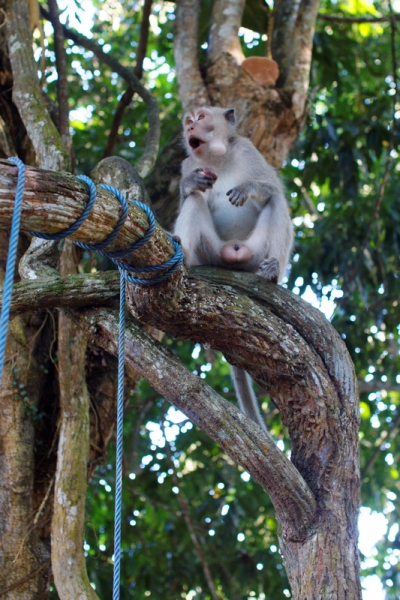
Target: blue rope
[[11, 259], [119, 443], [169, 267], [70, 230]]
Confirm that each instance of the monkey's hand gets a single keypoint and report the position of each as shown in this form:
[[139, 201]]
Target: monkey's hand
[[269, 269], [200, 180], [240, 194]]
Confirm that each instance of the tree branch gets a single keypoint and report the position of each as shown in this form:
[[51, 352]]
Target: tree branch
[[378, 445], [246, 443], [226, 19], [337, 19], [287, 314], [146, 162], [62, 81], [92, 289], [53, 202], [377, 386], [27, 93], [282, 37], [67, 527], [299, 61], [192, 90]]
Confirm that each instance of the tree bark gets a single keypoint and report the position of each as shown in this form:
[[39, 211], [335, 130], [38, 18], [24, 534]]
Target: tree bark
[[24, 559]]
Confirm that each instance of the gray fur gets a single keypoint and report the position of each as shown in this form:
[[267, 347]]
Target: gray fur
[[245, 204]]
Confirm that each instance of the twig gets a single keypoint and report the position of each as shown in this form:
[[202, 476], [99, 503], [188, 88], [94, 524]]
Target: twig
[[133, 454], [372, 386], [155, 503], [128, 94], [146, 162], [188, 521], [337, 19], [384, 436]]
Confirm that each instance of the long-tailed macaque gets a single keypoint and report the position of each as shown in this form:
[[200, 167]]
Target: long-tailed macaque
[[233, 211]]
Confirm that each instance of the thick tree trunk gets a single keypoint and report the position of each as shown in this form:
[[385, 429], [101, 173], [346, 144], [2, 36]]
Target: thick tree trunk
[[24, 559]]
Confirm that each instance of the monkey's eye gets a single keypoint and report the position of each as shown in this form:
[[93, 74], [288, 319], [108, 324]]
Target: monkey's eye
[[200, 117], [189, 121]]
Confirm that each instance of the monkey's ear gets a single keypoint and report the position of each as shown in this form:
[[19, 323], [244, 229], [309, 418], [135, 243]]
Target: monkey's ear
[[229, 115]]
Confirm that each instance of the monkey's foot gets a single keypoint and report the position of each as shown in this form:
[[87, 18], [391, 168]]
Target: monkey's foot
[[177, 239], [269, 268]]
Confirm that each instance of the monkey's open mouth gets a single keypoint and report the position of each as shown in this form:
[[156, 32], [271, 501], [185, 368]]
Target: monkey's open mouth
[[195, 143]]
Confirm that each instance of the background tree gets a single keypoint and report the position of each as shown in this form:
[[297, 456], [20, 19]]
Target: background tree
[[188, 500]]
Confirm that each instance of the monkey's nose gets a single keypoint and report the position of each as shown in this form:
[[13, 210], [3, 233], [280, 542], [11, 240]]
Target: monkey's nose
[[237, 247]]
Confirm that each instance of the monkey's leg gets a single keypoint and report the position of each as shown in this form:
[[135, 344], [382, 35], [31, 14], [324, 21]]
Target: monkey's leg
[[271, 240], [246, 396], [195, 227]]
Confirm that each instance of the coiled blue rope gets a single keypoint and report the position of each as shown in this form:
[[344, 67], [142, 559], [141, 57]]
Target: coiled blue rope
[[169, 267]]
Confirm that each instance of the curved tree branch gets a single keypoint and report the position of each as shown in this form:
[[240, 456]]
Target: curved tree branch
[[192, 90], [239, 437], [146, 162], [27, 93]]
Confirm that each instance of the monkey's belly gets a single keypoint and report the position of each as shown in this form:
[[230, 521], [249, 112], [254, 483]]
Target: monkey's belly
[[234, 222]]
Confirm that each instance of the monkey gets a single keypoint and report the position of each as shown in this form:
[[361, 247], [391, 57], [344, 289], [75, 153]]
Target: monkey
[[233, 212]]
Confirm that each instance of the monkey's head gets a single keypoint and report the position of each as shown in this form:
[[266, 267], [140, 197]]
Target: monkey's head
[[207, 130]]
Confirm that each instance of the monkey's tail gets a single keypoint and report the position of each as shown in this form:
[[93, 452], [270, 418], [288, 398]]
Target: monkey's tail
[[246, 396]]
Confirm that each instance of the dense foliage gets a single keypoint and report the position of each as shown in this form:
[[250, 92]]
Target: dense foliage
[[342, 182]]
